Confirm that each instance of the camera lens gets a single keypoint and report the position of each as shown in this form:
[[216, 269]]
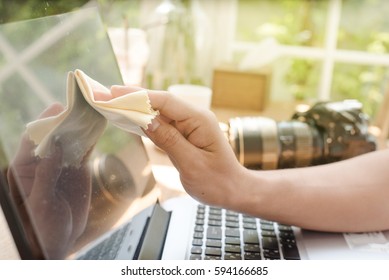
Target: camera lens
[[255, 141], [262, 143], [112, 179], [326, 133], [301, 144]]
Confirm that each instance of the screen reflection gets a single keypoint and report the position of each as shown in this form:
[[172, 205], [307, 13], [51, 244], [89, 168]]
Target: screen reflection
[[64, 208]]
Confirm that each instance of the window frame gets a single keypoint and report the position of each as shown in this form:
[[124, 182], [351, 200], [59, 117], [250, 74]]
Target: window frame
[[328, 55]]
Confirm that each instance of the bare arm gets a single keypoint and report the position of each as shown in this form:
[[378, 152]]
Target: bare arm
[[352, 195]]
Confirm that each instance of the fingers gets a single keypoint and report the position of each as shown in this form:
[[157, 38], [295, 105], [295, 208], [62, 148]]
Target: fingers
[[52, 110], [47, 173], [24, 155], [180, 127], [170, 106], [100, 92], [169, 139], [117, 91]]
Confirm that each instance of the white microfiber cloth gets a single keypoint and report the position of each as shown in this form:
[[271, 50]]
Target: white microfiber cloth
[[83, 121]]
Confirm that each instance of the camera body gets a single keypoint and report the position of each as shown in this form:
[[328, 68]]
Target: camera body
[[327, 132]]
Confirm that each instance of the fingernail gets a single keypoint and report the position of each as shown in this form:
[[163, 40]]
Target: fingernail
[[153, 125]]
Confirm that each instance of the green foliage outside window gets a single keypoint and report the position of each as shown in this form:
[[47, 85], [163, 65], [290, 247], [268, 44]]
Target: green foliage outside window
[[363, 27], [16, 10]]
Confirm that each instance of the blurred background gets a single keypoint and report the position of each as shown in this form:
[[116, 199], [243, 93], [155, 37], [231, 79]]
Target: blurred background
[[290, 52]]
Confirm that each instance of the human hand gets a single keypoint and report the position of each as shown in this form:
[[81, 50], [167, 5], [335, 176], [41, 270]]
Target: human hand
[[191, 136], [53, 200]]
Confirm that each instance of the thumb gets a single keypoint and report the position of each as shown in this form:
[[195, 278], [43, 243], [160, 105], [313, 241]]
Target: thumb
[[47, 173], [169, 139]]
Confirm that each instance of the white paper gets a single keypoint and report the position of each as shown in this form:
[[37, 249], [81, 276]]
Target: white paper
[[369, 241]]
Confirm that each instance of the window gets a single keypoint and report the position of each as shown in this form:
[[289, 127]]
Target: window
[[326, 50]]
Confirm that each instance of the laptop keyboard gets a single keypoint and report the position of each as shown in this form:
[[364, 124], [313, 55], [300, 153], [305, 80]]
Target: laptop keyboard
[[107, 249], [221, 234]]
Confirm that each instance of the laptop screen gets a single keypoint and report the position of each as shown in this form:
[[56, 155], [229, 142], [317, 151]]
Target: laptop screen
[[63, 209]]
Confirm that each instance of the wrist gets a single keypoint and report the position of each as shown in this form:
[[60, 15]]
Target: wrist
[[251, 193]]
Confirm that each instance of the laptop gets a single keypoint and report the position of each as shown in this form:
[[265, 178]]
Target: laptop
[[108, 208]]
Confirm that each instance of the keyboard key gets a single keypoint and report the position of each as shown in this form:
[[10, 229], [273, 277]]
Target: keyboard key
[[201, 210], [271, 254], [267, 227], [232, 232], [269, 243], [199, 228], [200, 216], [268, 233], [286, 235], [232, 213], [290, 252], [215, 223], [232, 248], [247, 225], [291, 241], [201, 207], [194, 257], [197, 242], [196, 250], [250, 237], [232, 218], [215, 217], [248, 219], [199, 235], [266, 222], [212, 258], [232, 256], [232, 240], [214, 233], [253, 248], [211, 251], [232, 224], [285, 228], [215, 211], [213, 243], [252, 256]]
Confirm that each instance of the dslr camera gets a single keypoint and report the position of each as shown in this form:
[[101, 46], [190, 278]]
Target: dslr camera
[[327, 132]]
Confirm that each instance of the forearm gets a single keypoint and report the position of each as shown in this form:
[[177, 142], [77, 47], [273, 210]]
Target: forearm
[[351, 195]]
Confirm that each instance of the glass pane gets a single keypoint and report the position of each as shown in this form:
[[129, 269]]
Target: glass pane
[[295, 80], [114, 12], [364, 26], [36, 56], [29, 9], [364, 83], [261, 19]]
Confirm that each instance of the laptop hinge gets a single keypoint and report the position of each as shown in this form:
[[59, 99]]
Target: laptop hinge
[[155, 234]]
